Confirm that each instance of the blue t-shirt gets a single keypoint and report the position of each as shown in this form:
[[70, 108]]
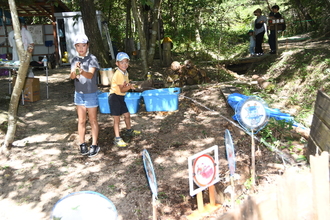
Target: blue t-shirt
[[84, 85]]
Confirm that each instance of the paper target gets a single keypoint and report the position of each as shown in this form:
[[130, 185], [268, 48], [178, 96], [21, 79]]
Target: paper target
[[149, 168], [251, 114], [204, 170]]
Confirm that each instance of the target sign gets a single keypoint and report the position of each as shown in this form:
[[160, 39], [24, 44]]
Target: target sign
[[203, 170]]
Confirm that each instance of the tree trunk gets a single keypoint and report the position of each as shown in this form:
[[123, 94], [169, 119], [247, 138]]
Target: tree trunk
[[304, 12], [197, 26], [24, 57], [128, 21], [154, 31], [137, 14], [88, 13]]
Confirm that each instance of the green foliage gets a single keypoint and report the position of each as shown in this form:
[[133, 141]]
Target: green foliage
[[277, 131]]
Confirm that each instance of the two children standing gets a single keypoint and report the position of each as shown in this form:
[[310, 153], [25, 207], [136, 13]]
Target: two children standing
[[84, 69]]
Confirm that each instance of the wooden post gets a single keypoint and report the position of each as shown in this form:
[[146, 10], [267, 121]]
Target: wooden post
[[276, 43], [167, 53], [200, 203]]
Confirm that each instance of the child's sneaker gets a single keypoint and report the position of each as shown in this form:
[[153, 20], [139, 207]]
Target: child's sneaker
[[119, 142], [132, 132], [83, 149], [94, 150]]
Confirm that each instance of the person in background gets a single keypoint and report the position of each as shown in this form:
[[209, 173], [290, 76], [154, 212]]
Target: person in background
[[274, 14], [260, 28], [252, 42], [119, 86], [26, 39], [84, 73]]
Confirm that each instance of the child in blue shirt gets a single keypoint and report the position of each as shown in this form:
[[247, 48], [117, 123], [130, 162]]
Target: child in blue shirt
[[252, 42]]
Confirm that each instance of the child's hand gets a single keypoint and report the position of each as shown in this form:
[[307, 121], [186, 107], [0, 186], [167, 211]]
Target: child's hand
[[133, 86]]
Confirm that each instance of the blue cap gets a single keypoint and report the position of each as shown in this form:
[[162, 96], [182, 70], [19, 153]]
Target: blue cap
[[121, 56]]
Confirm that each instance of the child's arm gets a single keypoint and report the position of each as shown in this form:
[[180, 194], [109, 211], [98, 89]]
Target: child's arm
[[88, 74], [126, 87]]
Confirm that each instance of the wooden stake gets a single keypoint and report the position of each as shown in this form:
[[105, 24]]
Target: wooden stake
[[253, 160], [212, 195], [154, 215], [200, 203], [233, 192]]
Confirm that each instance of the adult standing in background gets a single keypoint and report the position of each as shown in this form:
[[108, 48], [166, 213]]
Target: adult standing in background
[[274, 14], [260, 27], [26, 39]]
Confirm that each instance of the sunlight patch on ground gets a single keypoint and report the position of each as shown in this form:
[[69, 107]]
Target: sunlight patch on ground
[[181, 174], [14, 211], [36, 139], [201, 144], [179, 158], [49, 152]]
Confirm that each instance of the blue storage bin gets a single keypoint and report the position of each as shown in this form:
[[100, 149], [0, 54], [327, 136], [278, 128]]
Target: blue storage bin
[[103, 103], [166, 99], [132, 100]]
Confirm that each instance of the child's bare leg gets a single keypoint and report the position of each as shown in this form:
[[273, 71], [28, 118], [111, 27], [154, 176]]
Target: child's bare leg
[[92, 116], [127, 118], [81, 111], [116, 121]]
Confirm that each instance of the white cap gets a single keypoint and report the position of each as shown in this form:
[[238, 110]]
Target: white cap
[[82, 39]]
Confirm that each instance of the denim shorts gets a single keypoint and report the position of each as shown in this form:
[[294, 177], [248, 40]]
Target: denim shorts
[[89, 100]]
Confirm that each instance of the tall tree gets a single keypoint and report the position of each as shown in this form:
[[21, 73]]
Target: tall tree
[[24, 57], [155, 24], [88, 13], [147, 36], [304, 12]]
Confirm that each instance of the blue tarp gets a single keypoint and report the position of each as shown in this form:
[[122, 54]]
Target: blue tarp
[[235, 98]]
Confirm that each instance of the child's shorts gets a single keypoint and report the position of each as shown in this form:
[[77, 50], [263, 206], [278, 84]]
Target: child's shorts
[[117, 104], [89, 100]]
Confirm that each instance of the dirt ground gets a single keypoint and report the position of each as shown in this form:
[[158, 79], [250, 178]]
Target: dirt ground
[[45, 164]]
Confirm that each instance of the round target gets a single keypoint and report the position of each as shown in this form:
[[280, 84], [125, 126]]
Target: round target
[[149, 168], [251, 114], [204, 170]]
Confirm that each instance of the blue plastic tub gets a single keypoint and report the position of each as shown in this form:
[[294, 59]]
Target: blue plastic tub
[[103, 103], [132, 100], [161, 99]]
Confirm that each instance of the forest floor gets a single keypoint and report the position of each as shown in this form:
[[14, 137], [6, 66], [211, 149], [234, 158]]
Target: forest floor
[[45, 164]]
